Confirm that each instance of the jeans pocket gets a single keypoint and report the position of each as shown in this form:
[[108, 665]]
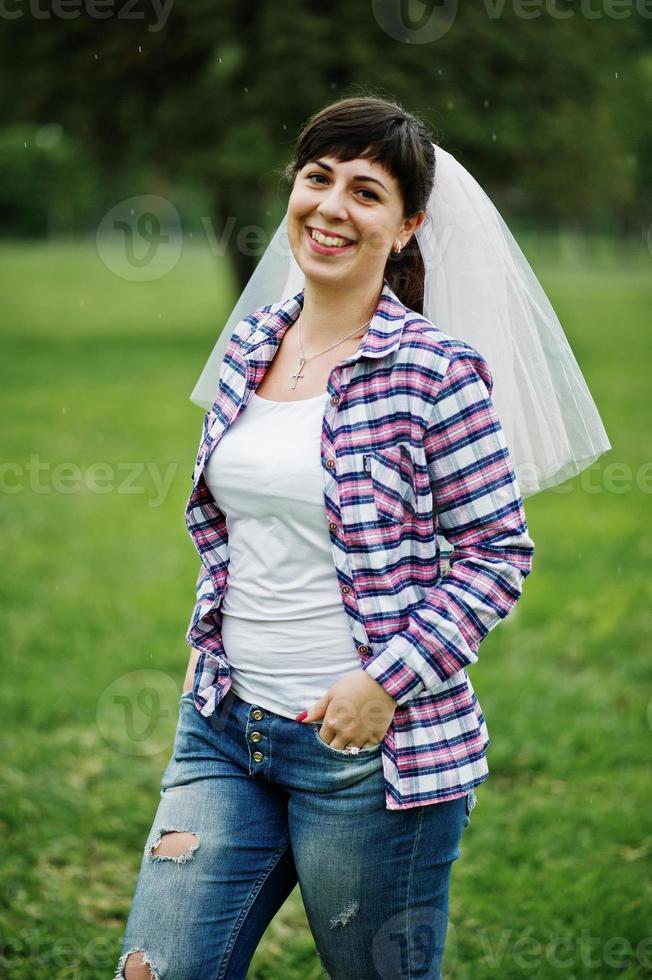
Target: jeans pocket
[[343, 752]]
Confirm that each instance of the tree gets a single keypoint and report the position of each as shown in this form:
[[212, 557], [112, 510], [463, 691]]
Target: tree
[[215, 95]]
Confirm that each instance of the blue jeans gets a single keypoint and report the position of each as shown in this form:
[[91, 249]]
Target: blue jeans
[[270, 804]]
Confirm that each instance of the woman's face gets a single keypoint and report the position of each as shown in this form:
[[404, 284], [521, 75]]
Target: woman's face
[[357, 200]]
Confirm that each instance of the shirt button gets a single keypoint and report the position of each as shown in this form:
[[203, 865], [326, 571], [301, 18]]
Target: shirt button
[[363, 648], [345, 589], [330, 463], [335, 400], [333, 526]]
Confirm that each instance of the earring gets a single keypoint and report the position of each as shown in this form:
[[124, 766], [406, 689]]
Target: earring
[[398, 250]]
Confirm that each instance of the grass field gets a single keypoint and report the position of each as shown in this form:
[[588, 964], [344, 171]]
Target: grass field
[[97, 586]]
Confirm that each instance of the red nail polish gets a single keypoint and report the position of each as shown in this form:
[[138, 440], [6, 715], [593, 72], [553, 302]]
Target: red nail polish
[[301, 716]]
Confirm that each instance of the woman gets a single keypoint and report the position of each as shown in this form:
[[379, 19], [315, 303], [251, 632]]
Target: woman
[[328, 732]]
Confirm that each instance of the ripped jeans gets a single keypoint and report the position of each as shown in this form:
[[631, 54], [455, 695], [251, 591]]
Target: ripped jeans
[[269, 805]]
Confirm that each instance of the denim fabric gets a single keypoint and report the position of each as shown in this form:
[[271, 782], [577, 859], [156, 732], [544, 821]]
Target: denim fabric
[[272, 804]]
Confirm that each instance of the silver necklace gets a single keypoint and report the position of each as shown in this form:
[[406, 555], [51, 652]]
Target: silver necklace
[[303, 359]]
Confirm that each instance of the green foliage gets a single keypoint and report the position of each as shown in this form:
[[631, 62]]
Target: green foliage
[[547, 104], [46, 182]]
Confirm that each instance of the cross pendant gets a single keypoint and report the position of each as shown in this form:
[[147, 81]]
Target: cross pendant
[[298, 375]]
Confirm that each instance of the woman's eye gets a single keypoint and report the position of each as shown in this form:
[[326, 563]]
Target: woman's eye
[[374, 197]]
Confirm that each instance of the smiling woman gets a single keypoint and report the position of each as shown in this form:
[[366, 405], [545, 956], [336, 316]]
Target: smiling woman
[[330, 696], [351, 209]]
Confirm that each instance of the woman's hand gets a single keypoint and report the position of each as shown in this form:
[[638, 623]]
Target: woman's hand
[[355, 710]]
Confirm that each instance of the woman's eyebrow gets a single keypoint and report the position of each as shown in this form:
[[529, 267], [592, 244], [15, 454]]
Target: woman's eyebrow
[[327, 166]]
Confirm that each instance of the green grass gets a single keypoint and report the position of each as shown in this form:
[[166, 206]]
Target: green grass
[[97, 588]]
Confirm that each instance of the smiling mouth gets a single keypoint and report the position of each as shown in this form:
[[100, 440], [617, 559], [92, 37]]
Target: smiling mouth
[[329, 241]]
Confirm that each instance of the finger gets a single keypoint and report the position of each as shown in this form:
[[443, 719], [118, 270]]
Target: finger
[[314, 712], [326, 734], [335, 741]]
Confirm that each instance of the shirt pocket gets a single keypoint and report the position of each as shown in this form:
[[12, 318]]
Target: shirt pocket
[[391, 471]]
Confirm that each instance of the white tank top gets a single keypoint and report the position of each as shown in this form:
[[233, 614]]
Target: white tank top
[[284, 629]]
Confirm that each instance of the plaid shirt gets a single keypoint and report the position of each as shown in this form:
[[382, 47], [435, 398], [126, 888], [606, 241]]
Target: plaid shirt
[[414, 464]]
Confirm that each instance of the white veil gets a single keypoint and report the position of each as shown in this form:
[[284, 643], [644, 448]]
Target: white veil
[[479, 288]]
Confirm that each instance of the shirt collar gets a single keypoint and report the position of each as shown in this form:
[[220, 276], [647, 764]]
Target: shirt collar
[[383, 334]]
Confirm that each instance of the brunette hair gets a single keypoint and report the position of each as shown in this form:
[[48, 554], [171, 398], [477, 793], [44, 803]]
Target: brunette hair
[[382, 130]]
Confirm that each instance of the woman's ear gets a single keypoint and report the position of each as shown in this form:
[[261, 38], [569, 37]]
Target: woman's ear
[[410, 225]]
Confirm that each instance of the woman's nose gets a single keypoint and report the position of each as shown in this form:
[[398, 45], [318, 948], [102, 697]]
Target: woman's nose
[[332, 203]]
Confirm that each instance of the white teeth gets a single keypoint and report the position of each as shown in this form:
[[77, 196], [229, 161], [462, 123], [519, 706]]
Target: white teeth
[[327, 239]]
